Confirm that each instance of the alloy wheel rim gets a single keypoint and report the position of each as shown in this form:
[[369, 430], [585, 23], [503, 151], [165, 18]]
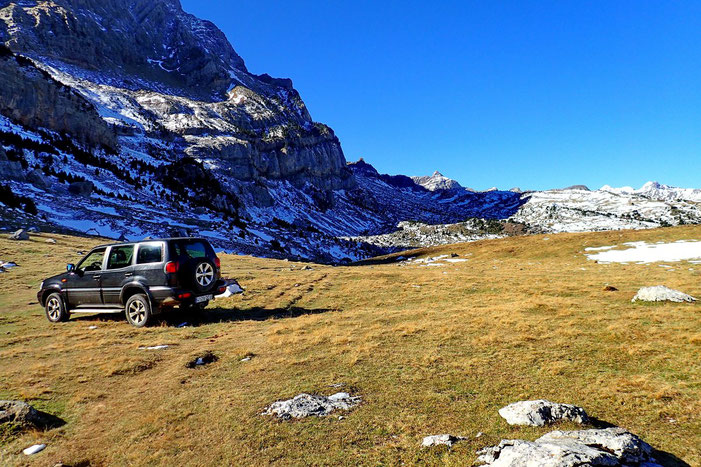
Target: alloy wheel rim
[[204, 274], [54, 308], [137, 311]]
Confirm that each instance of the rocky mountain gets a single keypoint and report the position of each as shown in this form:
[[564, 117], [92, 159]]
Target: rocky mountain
[[437, 181], [658, 191], [133, 118], [578, 209]]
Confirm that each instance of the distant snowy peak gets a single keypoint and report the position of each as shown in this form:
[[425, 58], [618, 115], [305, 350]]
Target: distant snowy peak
[[657, 191], [436, 182]]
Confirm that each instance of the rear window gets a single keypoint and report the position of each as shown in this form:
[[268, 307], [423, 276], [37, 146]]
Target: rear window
[[186, 249], [150, 253]]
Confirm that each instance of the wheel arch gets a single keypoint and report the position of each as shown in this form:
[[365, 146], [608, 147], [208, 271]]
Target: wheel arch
[[132, 289], [50, 290]]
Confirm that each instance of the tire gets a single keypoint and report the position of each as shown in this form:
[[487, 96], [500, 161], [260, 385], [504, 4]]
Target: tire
[[200, 274], [56, 309], [138, 310]]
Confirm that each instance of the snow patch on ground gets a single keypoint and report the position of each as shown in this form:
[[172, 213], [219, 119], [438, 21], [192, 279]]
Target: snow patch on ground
[[643, 253]]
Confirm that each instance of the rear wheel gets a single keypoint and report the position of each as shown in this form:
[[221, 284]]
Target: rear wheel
[[55, 309], [138, 310]]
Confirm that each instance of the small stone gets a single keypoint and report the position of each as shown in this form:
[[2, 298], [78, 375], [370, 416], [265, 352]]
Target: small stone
[[437, 440], [51, 240], [541, 412], [479, 435], [610, 288], [34, 449], [245, 359], [660, 293], [92, 327]]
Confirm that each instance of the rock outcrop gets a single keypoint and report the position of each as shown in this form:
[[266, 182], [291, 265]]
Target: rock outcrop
[[597, 447], [306, 405], [30, 96], [541, 412]]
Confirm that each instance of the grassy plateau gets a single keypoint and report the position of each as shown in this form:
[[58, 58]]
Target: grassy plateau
[[430, 350]]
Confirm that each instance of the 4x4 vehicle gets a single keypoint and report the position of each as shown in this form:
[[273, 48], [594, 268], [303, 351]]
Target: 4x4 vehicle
[[140, 279]]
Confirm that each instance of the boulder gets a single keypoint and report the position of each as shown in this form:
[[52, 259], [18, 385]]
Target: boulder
[[541, 412], [660, 293], [36, 177], [437, 440], [81, 188], [596, 447], [20, 234], [305, 405], [23, 414]]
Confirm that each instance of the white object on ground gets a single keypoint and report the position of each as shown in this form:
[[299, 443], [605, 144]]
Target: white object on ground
[[660, 293], [541, 412], [642, 252], [34, 449], [437, 440], [92, 327], [232, 289], [155, 347]]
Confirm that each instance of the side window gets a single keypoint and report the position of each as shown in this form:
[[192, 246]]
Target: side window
[[92, 262], [149, 253], [120, 257]]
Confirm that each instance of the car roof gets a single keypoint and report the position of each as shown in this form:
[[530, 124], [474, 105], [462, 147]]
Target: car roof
[[149, 240]]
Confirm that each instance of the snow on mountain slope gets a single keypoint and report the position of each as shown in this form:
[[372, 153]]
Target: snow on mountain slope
[[658, 191], [578, 210]]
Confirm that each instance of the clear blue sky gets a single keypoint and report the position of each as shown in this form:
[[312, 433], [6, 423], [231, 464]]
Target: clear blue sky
[[537, 94]]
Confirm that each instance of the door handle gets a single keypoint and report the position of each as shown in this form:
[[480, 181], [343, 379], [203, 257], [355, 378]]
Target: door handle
[[128, 274], [96, 277]]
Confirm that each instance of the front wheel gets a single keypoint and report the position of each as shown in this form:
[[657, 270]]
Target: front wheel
[[55, 309], [138, 310]]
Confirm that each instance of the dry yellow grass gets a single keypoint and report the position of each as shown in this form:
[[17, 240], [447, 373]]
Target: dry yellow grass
[[430, 350]]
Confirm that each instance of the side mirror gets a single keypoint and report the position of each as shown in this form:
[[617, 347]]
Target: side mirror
[[70, 267]]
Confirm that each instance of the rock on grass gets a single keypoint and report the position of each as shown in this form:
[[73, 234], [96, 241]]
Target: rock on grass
[[305, 405], [25, 415], [605, 447], [541, 412], [660, 293], [437, 440]]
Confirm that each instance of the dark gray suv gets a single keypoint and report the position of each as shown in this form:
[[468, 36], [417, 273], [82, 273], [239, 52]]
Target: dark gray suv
[[140, 279]]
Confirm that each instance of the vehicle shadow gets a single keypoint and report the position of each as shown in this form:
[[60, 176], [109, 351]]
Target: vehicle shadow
[[228, 315]]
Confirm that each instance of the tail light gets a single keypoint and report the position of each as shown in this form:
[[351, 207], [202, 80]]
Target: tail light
[[172, 267], [217, 262], [185, 295]]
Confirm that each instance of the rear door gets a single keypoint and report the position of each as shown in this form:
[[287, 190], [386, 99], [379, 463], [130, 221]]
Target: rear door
[[83, 285], [150, 261], [119, 270]]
